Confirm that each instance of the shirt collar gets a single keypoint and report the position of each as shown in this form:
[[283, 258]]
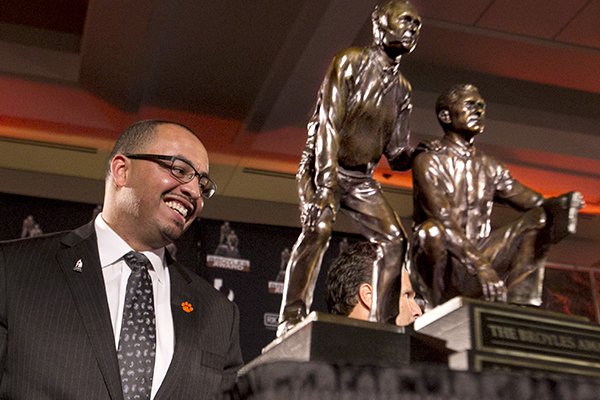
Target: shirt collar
[[459, 145], [112, 248], [390, 67]]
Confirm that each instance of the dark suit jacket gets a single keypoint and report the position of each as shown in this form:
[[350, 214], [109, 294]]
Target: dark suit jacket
[[56, 338]]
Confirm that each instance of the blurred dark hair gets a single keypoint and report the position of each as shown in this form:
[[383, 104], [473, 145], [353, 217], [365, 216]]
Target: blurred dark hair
[[349, 270]]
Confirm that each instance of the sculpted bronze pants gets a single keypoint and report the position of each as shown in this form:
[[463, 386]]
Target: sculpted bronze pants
[[516, 250], [361, 198]]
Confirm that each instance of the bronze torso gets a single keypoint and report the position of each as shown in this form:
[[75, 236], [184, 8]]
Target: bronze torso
[[366, 118], [468, 181]]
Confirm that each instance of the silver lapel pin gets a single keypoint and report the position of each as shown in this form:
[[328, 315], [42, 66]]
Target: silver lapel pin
[[78, 266]]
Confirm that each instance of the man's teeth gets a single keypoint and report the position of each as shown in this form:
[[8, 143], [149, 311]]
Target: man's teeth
[[178, 207]]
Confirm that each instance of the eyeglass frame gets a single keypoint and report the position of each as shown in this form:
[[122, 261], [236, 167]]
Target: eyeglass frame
[[209, 189]]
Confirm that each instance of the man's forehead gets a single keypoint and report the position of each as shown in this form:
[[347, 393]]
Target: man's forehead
[[168, 128], [469, 97], [174, 140]]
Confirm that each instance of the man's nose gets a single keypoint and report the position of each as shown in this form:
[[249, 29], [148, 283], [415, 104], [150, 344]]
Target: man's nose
[[192, 189], [416, 310]]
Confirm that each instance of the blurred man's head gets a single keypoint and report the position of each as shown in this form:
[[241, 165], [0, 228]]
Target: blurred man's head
[[348, 281], [349, 290]]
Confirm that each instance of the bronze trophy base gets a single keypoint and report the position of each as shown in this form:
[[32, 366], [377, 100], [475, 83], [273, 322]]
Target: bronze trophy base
[[340, 340], [488, 335]]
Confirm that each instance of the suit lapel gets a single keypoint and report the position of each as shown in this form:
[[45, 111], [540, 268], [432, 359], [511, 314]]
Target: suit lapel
[[87, 288], [185, 325]]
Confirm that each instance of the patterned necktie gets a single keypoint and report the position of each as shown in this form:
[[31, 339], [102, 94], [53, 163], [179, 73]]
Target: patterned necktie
[[137, 343]]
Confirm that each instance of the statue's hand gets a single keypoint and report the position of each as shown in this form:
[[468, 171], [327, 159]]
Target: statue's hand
[[310, 215], [578, 200], [493, 287], [312, 211]]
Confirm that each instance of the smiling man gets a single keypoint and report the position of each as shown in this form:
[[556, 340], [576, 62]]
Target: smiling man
[[104, 312], [455, 250]]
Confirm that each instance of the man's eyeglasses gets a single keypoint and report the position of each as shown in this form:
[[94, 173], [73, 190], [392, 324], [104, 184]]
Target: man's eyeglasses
[[181, 170]]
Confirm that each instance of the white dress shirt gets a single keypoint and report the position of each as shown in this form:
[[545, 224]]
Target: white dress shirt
[[112, 248]]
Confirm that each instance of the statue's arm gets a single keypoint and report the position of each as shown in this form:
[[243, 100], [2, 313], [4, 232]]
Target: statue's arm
[[398, 152], [333, 97], [561, 211], [325, 126], [513, 193]]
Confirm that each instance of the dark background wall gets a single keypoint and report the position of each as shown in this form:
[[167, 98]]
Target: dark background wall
[[568, 289]]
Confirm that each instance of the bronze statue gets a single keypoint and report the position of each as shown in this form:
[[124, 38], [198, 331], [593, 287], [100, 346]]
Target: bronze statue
[[361, 113], [454, 249]]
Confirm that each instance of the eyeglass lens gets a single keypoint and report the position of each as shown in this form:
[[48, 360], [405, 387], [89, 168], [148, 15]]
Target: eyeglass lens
[[181, 170]]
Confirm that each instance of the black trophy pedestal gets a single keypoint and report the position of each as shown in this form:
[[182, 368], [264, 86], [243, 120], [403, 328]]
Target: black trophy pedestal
[[487, 335], [340, 340]]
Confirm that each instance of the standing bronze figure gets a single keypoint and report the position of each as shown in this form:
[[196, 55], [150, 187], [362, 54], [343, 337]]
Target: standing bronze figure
[[361, 113], [455, 251]]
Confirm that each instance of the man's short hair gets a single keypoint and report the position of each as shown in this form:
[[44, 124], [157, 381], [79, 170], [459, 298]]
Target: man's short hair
[[452, 95], [136, 137], [386, 6], [351, 268]]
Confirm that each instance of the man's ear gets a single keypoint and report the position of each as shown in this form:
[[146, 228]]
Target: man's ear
[[444, 117], [119, 169], [365, 295]]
